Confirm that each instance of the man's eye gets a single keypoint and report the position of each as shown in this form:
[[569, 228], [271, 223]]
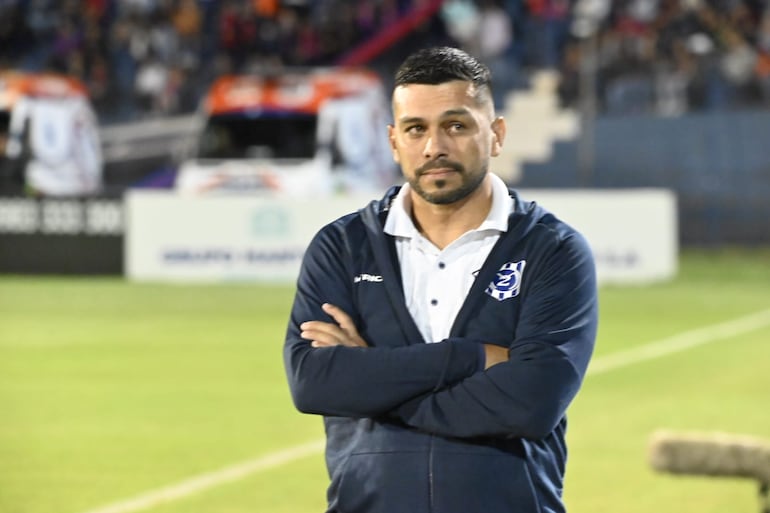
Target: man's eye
[[414, 130], [456, 127]]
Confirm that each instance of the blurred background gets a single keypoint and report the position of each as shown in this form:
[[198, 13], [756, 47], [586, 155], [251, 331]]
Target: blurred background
[[164, 162], [636, 93]]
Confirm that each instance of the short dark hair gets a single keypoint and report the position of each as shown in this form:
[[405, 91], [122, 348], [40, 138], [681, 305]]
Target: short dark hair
[[442, 64]]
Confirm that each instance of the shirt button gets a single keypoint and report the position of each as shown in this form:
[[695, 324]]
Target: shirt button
[[434, 302], [441, 265]]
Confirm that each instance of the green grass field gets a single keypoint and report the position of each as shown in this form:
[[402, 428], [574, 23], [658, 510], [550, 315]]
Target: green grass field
[[109, 390]]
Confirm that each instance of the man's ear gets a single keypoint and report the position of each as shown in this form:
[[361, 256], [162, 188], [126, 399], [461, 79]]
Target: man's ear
[[498, 135], [392, 140]]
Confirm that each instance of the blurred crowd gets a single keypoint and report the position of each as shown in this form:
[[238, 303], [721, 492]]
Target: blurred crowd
[[155, 57], [673, 56], [144, 58]]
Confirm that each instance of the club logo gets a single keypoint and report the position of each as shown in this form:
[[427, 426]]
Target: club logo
[[507, 283]]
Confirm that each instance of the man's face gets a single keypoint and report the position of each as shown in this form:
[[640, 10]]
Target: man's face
[[443, 138]]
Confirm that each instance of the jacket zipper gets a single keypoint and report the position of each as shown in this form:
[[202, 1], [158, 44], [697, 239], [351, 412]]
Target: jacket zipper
[[430, 475]]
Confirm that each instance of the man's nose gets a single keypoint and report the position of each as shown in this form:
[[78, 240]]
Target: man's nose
[[435, 146]]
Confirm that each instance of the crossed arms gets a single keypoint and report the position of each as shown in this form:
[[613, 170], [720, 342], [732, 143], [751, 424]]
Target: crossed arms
[[521, 390], [343, 332]]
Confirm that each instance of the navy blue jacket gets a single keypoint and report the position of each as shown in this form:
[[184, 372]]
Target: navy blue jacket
[[416, 427]]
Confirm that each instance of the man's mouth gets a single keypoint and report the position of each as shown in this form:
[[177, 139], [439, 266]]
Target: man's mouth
[[439, 169]]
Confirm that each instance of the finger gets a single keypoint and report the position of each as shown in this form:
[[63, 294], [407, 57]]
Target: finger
[[326, 342], [322, 332], [352, 338], [329, 334], [322, 327], [333, 338], [343, 319], [321, 338]]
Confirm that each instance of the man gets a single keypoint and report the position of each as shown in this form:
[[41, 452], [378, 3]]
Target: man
[[443, 330]]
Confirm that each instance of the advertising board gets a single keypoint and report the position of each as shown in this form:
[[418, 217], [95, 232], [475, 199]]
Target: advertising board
[[172, 237]]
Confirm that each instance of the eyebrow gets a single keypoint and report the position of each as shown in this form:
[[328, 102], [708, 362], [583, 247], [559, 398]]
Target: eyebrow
[[446, 114]]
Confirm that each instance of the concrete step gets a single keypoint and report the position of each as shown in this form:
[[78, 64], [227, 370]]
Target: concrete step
[[535, 123]]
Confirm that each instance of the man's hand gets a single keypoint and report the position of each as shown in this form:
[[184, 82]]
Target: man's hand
[[495, 354], [329, 334]]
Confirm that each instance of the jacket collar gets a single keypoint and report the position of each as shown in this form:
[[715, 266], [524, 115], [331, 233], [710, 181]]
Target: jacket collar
[[399, 220]]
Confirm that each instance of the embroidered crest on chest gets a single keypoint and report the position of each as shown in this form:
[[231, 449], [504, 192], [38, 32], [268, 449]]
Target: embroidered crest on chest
[[507, 282]]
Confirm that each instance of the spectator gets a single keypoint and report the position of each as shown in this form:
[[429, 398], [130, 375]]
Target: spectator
[[151, 87], [668, 56], [485, 29], [737, 65], [763, 56]]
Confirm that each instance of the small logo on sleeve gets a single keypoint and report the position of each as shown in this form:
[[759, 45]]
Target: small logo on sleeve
[[374, 278], [507, 283]]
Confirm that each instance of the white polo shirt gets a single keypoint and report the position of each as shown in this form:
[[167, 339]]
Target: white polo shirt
[[436, 281]]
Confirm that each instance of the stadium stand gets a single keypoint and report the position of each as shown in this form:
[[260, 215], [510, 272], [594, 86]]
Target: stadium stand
[[143, 58]]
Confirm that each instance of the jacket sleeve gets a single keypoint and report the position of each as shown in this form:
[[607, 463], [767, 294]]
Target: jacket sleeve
[[529, 394], [352, 381]]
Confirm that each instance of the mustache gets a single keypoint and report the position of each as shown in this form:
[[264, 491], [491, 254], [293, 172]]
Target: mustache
[[440, 164]]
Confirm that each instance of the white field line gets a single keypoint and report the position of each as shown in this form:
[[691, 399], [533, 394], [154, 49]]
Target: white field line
[[681, 342], [205, 481], [649, 351]]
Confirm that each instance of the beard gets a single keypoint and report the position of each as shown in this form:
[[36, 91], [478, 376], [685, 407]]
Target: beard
[[444, 194]]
